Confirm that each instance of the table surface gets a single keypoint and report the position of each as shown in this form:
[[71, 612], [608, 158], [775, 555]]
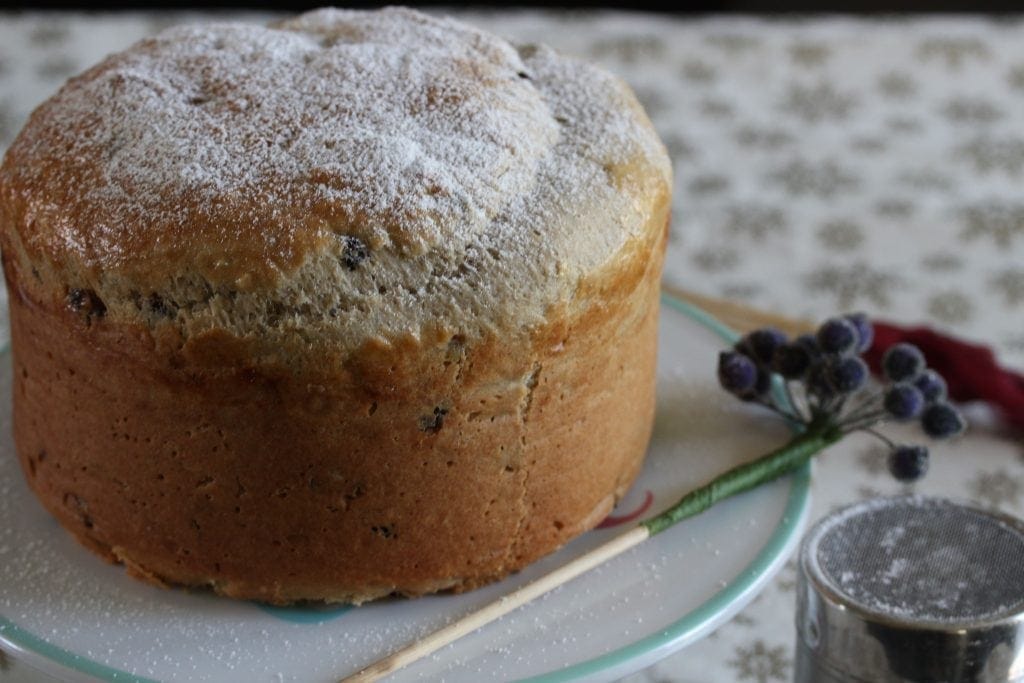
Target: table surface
[[821, 165]]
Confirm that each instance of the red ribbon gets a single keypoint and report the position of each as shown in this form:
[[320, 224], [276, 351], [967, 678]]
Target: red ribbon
[[970, 370]]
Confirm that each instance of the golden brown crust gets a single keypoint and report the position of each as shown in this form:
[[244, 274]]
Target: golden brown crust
[[447, 467]]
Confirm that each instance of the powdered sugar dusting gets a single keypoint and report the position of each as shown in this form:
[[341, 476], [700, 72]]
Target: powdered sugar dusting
[[346, 118], [922, 559], [213, 163]]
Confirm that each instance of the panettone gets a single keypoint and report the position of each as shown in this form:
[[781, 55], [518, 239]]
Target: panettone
[[361, 303]]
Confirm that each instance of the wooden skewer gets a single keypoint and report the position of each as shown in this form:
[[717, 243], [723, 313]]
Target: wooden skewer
[[500, 607], [741, 318]]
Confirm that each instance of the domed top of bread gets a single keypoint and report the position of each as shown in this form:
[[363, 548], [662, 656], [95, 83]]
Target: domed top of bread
[[348, 174]]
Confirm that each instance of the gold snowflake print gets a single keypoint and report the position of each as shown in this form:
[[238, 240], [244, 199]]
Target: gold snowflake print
[[995, 154], [873, 460], [951, 307], [1009, 283], [1015, 77], [716, 109], [942, 262], [998, 489], [708, 184], [954, 52], [629, 49], [787, 577], [742, 619], [697, 71], [760, 663], [817, 103], [894, 207], [1001, 222], [733, 43], [849, 285], [897, 85], [868, 493], [743, 291], [716, 259], [965, 110], [825, 179], [841, 235], [809, 54], [925, 179], [763, 138], [868, 144], [905, 124], [755, 221], [49, 33]]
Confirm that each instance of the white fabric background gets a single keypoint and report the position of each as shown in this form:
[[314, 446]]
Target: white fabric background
[[821, 165]]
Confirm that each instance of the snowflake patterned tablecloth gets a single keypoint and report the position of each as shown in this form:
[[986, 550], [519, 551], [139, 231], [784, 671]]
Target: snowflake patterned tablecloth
[[820, 165]]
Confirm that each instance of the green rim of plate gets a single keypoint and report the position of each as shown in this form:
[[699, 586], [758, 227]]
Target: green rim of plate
[[742, 585], [30, 642]]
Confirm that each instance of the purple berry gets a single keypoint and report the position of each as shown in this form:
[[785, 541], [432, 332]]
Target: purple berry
[[847, 375], [742, 345], [762, 385], [941, 421], [837, 336], [791, 361], [736, 373], [817, 381], [908, 463], [903, 362], [809, 343], [764, 381], [904, 401], [932, 386], [865, 331], [762, 344]]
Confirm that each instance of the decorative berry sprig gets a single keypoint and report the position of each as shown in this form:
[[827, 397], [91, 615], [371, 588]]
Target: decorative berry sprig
[[821, 386]]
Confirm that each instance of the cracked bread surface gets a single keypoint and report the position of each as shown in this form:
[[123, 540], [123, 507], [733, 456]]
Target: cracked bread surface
[[361, 303]]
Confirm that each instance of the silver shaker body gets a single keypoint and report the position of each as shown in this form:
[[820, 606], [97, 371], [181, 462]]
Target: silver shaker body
[[911, 590]]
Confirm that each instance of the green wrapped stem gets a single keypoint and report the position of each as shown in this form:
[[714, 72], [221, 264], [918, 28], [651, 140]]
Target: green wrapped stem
[[819, 434]]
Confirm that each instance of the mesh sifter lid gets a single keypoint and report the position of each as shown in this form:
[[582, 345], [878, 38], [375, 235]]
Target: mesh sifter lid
[[923, 560], [912, 590]]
